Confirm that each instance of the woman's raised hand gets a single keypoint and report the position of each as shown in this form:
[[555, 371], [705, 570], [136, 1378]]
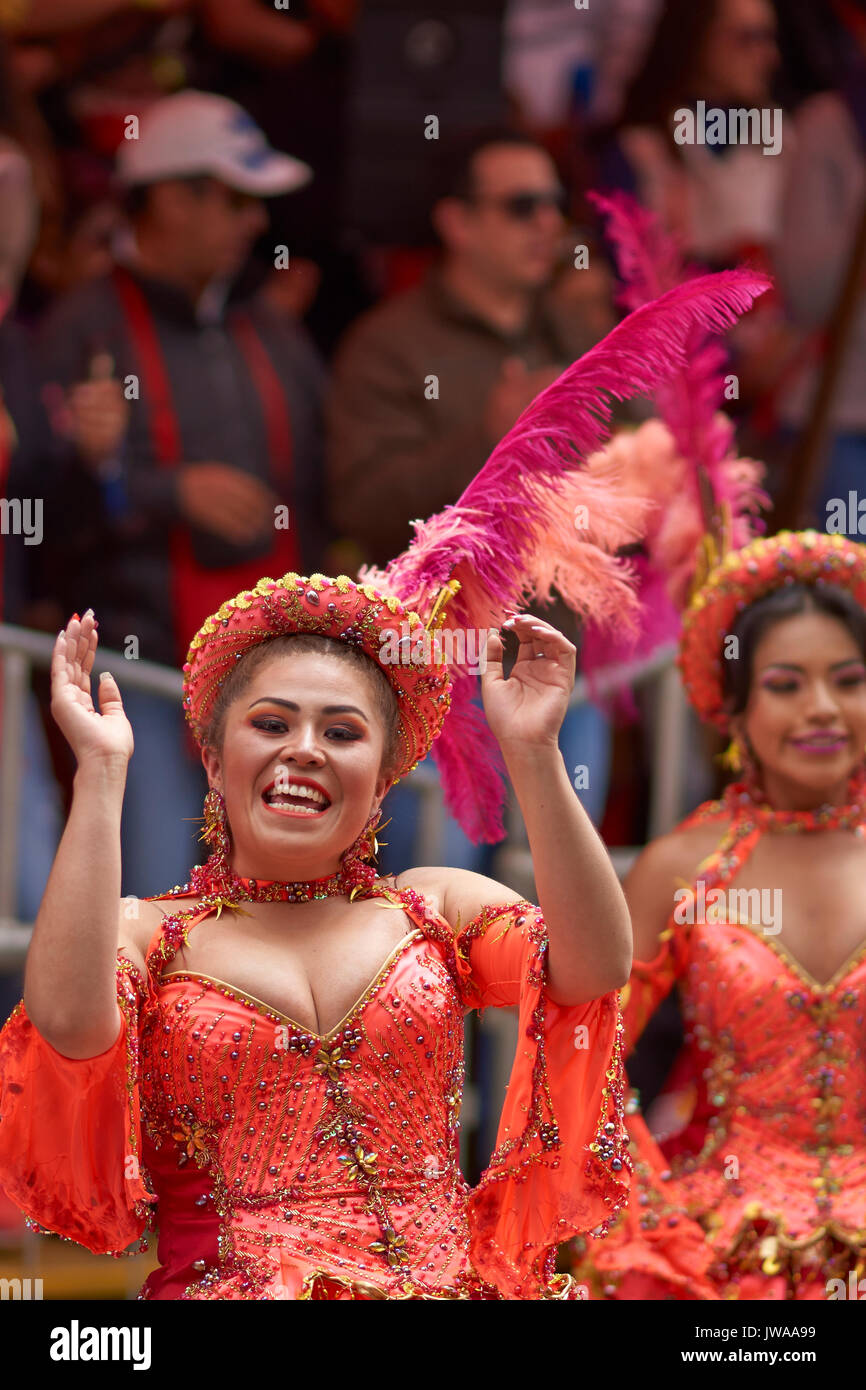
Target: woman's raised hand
[[528, 707], [105, 733]]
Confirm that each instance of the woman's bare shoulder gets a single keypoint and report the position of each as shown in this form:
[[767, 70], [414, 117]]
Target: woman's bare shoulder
[[668, 864], [678, 855], [458, 895]]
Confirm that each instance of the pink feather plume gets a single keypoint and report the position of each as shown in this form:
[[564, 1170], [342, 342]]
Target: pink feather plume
[[666, 461], [516, 531]]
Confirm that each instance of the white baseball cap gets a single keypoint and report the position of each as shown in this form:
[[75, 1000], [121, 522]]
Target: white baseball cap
[[201, 133]]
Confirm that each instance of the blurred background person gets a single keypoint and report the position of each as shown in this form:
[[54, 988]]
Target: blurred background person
[[723, 200], [427, 383], [205, 471], [820, 263]]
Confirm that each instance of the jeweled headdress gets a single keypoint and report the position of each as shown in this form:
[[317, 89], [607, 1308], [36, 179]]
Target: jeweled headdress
[[747, 574]]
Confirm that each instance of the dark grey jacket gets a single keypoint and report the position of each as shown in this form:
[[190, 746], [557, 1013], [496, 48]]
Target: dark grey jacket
[[114, 539]]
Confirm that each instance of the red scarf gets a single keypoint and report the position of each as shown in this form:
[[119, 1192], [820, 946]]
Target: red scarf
[[198, 592]]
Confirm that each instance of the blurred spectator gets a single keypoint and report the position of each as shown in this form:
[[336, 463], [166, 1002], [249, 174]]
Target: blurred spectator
[[825, 206], [196, 419], [723, 200], [554, 52], [19, 204], [426, 384], [28, 169], [80, 70]]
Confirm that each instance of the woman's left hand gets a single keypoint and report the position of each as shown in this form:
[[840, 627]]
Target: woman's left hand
[[529, 706]]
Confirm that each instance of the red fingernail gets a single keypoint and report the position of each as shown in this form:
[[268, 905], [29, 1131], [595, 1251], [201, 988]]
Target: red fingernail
[[74, 616]]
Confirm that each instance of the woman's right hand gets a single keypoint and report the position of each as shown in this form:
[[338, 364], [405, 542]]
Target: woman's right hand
[[105, 733]]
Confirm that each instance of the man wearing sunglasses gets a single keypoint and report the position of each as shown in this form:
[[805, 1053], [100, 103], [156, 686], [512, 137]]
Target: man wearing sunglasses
[[427, 383]]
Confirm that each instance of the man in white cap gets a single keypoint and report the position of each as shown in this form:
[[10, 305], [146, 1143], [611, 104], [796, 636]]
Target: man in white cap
[[206, 163], [196, 415]]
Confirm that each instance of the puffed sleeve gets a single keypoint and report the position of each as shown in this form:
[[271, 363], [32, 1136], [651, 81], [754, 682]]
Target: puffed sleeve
[[560, 1165], [70, 1132]]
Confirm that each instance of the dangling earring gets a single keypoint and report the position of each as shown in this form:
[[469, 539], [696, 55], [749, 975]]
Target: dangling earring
[[732, 758], [739, 760], [358, 863], [216, 830]]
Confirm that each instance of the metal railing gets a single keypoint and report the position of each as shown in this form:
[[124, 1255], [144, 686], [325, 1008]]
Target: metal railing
[[22, 649]]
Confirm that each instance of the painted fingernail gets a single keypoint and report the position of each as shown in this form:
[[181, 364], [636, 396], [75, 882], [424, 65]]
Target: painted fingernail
[[75, 618], [88, 613]]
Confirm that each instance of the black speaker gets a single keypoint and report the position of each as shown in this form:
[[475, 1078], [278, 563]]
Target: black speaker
[[412, 62]]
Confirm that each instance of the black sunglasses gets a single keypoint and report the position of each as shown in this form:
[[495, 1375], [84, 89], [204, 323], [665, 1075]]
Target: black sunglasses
[[522, 207]]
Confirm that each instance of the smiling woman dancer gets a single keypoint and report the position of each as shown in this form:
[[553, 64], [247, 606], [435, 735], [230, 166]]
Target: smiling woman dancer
[[754, 909], [287, 1073]]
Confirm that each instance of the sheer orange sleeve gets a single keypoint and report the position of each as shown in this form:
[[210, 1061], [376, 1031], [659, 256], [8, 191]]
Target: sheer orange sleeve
[[70, 1134], [649, 983], [654, 1236], [560, 1166]]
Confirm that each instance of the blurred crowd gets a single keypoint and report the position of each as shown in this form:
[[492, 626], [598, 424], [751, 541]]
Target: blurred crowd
[[275, 281]]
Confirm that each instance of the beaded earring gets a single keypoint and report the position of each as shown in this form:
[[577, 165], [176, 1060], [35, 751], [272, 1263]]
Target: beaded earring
[[358, 863], [216, 830]]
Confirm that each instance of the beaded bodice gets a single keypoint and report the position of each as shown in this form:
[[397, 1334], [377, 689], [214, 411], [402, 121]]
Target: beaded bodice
[[341, 1145], [774, 1047], [773, 1060]]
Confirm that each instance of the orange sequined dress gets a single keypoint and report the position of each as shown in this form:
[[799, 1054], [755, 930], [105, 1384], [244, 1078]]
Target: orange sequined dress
[[762, 1193], [288, 1165]]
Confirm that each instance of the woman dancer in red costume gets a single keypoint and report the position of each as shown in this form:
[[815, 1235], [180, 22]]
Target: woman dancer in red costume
[[754, 909], [273, 1051]]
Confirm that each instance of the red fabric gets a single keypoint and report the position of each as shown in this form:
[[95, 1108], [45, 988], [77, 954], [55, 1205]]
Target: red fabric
[[762, 1194], [70, 1137], [248, 1143]]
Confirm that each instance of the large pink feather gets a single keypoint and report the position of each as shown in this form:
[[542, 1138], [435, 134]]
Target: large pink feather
[[511, 534], [666, 462], [691, 402]]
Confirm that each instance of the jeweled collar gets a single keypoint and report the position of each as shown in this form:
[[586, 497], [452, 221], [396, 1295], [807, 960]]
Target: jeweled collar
[[744, 804], [209, 880]]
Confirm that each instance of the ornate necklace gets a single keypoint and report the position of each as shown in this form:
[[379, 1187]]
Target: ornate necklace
[[744, 804], [263, 890], [212, 880]]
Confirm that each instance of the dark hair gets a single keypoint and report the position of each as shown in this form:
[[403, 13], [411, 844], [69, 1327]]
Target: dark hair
[[666, 77], [240, 676], [773, 608], [456, 172]]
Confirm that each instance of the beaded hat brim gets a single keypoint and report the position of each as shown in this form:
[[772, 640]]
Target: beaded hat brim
[[768, 563], [393, 637]]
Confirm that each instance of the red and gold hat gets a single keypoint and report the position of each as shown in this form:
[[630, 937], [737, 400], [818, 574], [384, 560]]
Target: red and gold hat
[[741, 577], [394, 637]]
